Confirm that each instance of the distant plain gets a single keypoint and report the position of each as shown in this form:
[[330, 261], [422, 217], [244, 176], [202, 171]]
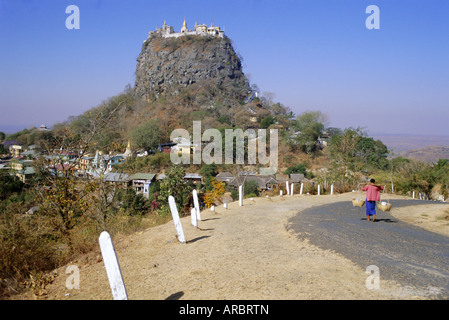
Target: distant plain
[[420, 147]]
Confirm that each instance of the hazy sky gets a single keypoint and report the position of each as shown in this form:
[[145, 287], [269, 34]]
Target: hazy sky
[[310, 54]]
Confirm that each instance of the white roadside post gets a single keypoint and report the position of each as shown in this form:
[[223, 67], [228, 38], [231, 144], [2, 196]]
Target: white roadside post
[[112, 267], [332, 189], [193, 218], [302, 188], [280, 192], [291, 189], [176, 220], [318, 189], [241, 195], [196, 204], [288, 189]]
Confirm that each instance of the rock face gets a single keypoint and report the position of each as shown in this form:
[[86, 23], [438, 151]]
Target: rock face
[[169, 65]]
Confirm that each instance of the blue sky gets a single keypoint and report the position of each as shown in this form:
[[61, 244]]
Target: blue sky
[[310, 54]]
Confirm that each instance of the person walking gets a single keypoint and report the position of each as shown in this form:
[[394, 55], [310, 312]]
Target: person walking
[[372, 195]]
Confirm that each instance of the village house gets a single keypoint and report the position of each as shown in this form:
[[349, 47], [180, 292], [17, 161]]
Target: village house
[[263, 182], [121, 180], [193, 177], [113, 161], [31, 152], [8, 145], [101, 163], [15, 150], [183, 146], [20, 164], [25, 174], [85, 163], [65, 155], [141, 182], [282, 178], [296, 178], [166, 147], [225, 177]]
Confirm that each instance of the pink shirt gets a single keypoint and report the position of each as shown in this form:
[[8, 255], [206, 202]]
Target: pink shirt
[[372, 192]]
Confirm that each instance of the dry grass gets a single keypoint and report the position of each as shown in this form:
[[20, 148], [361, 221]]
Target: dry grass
[[29, 251]]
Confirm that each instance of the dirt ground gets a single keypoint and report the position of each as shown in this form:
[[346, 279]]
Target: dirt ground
[[243, 253]]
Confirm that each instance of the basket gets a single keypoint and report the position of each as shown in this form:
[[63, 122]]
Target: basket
[[384, 206], [358, 202]]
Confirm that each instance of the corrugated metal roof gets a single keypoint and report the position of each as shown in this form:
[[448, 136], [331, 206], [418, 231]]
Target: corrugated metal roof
[[143, 176]]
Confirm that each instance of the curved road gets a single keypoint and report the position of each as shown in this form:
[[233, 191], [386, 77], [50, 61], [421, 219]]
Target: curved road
[[413, 257]]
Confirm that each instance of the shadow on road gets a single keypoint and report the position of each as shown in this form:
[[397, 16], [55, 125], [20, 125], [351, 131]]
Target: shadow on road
[[382, 220]]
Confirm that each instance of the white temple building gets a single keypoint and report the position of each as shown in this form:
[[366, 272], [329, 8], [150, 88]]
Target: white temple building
[[198, 30]]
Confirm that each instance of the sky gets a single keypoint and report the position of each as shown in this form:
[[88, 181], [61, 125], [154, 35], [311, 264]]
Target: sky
[[309, 55]]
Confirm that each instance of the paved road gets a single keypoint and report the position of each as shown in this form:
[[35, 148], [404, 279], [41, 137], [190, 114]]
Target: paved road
[[415, 258]]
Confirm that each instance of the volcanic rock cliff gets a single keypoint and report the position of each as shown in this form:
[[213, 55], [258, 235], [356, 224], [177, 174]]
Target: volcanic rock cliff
[[166, 66]]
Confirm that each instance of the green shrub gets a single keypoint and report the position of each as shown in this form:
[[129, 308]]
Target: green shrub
[[250, 189]]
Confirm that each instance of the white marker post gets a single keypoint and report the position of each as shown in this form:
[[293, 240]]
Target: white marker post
[[193, 218], [280, 192], [318, 189], [112, 267], [176, 220], [196, 204], [302, 188], [241, 195], [332, 189], [413, 194], [291, 189], [286, 186]]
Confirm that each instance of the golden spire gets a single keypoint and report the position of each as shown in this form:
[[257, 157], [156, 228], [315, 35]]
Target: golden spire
[[165, 22], [184, 26]]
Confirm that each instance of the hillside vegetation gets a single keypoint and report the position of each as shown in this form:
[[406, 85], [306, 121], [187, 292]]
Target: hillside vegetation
[[178, 81]]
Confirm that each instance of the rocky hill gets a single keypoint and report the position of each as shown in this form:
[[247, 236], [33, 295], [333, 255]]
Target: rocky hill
[[180, 80], [169, 65]]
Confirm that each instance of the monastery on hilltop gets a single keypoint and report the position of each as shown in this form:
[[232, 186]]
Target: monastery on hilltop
[[198, 30]]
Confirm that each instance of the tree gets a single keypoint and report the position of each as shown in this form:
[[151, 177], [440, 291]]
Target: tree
[[372, 152], [215, 194], [66, 202], [310, 126], [298, 168], [209, 170], [174, 185], [3, 150], [343, 147], [266, 122], [9, 184], [342, 150], [146, 135], [250, 188]]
